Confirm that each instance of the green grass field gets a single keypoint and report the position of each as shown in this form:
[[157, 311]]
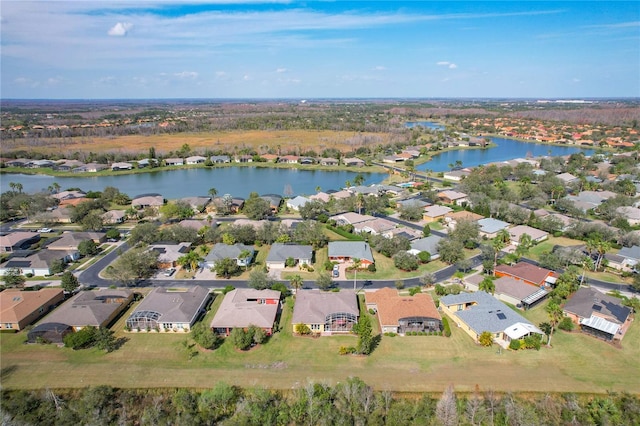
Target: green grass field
[[575, 363]]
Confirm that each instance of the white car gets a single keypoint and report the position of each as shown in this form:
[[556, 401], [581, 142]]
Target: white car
[[169, 272], [45, 230]]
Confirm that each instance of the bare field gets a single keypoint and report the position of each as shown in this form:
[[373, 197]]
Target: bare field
[[576, 363], [261, 141]]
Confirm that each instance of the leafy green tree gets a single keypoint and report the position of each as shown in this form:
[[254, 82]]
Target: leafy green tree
[[364, 330], [113, 234], [190, 260], [486, 338], [240, 338], [312, 233], [256, 208], [324, 281], [406, 261], [88, 248], [145, 232], [81, 339], [13, 278], [56, 266], [426, 230], [313, 209], [424, 257], [93, 221], [428, 279], [258, 335], [450, 250], [204, 336], [134, 264], [487, 285], [226, 267], [412, 212], [105, 339], [555, 315], [259, 280], [69, 282]]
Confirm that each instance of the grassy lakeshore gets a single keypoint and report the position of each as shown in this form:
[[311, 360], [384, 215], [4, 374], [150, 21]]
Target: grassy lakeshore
[[576, 363]]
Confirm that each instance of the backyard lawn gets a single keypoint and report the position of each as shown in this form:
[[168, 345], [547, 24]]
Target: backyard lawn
[[576, 363], [547, 246]]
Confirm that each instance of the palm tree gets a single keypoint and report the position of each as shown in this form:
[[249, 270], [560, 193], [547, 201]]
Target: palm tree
[[602, 248], [191, 260], [357, 263], [213, 192], [497, 245], [524, 245], [555, 315], [587, 263], [504, 236], [244, 256], [296, 282], [487, 285]]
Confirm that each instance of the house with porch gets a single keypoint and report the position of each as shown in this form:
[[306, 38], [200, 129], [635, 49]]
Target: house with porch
[[428, 244], [527, 273], [346, 251], [598, 314], [227, 251], [244, 307], [489, 227], [325, 313], [97, 308], [518, 231], [435, 213], [510, 290], [169, 309], [353, 162], [478, 312], [453, 197], [169, 253], [451, 219], [279, 253], [147, 200], [39, 263], [16, 241], [402, 314], [350, 218], [20, 308], [375, 226]]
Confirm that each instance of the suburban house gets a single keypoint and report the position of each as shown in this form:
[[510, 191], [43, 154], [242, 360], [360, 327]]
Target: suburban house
[[270, 158], [67, 195], [402, 314], [631, 256], [196, 159], [598, 314], [59, 215], [392, 159], [19, 308], [511, 290], [220, 159], [198, 225], [632, 214], [456, 175], [169, 253], [289, 159], [113, 217], [406, 232], [325, 313], [97, 308], [567, 178], [198, 204], [225, 251], [478, 312], [279, 253], [586, 200], [71, 240], [353, 162], [346, 251], [147, 200], [39, 263], [527, 273], [274, 201], [376, 226], [428, 244], [412, 202], [244, 307], [350, 218], [121, 166], [451, 219], [72, 202], [489, 227], [435, 213], [147, 162], [297, 202], [518, 231], [169, 309], [329, 161], [453, 197], [174, 162], [245, 158], [234, 204], [39, 164], [91, 168], [20, 240]]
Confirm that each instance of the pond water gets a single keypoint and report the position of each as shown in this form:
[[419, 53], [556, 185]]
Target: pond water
[[428, 124], [237, 181], [507, 149]]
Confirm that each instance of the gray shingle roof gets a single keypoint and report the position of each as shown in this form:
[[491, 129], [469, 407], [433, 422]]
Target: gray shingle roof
[[428, 244], [280, 252], [175, 306], [630, 252], [240, 308], [490, 225], [351, 249], [489, 314], [313, 306], [88, 308], [587, 301], [222, 251]]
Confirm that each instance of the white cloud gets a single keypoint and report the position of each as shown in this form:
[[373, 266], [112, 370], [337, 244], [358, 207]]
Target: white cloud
[[379, 68], [281, 70], [187, 75], [120, 29], [576, 80], [447, 64], [246, 77]]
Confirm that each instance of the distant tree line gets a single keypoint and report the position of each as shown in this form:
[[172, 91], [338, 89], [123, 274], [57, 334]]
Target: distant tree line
[[351, 402]]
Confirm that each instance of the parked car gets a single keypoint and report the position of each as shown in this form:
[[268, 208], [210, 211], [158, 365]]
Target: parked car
[[45, 230], [169, 272], [336, 271]]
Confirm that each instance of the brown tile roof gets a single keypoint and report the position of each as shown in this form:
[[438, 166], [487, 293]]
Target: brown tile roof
[[464, 215], [15, 305], [392, 307], [525, 271]]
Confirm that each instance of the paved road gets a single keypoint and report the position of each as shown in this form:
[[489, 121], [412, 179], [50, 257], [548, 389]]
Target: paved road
[[91, 275]]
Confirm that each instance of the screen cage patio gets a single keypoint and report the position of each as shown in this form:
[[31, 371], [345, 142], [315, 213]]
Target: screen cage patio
[[143, 320], [340, 321], [411, 324]]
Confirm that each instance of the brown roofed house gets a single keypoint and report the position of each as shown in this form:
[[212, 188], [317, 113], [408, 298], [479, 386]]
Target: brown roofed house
[[244, 307], [325, 312], [19, 308], [402, 314], [528, 273]]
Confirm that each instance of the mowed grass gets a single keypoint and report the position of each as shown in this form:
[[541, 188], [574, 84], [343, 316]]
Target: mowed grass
[[575, 363], [547, 245], [286, 140]]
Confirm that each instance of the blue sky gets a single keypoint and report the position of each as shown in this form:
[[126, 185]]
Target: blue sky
[[227, 49]]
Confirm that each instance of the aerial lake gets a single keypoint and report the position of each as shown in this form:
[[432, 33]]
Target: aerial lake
[[237, 181], [240, 181]]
